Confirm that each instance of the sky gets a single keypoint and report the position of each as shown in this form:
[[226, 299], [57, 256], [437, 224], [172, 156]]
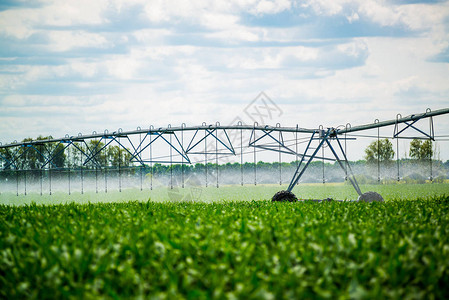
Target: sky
[[69, 67]]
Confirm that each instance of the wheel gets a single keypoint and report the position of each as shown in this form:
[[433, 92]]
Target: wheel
[[370, 197], [284, 196]]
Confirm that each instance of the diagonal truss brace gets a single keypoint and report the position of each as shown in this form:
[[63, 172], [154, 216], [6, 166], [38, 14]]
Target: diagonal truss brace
[[325, 137], [415, 119], [136, 156], [211, 132], [8, 162], [91, 155], [279, 145], [14, 157], [49, 159], [345, 163], [279, 142]]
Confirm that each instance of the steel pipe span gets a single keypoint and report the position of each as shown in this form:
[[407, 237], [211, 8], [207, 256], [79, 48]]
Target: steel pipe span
[[164, 130], [410, 118], [168, 130]]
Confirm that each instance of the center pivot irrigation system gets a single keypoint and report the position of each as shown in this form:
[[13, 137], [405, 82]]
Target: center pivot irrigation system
[[184, 145]]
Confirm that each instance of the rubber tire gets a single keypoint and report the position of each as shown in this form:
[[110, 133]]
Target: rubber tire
[[284, 196], [370, 197]]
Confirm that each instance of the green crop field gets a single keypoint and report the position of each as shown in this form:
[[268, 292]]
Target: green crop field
[[238, 246], [338, 191]]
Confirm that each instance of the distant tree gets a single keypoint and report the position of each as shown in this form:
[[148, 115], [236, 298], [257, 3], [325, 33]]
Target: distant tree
[[118, 156], [421, 150], [6, 158], [30, 157], [60, 157], [427, 149], [96, 148], [381, 151], [415, 147], [77, 154]]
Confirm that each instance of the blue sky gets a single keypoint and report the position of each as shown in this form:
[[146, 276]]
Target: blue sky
[[79, 66]]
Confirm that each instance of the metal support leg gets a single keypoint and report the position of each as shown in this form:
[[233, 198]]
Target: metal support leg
[[205, 155], [25, 178], [171, 164], [82, 181], [397, 158], [255, 164], [49, 179], [42, 179], [296, 146], [96, 179], [182, 157], [141, 177], [68, 170], [299, 171], [241, 157], [280, 160], [352, 180], [216, 160], [151, 164], [17, 182]]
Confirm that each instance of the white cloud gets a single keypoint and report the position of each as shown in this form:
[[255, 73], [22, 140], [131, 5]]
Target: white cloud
[[73, 12], [164, 11], [235, 35], [353, 17], [151, 36], [270, 7], [324, 7], [420, 16], [22, 22], [15, 23], [122, 67], [60, 41], [355, 48], [415, 16], [85, 69], [380, 12], [156, 11], [218, 21]]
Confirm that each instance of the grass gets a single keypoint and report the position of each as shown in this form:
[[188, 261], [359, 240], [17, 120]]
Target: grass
[[226, 250]]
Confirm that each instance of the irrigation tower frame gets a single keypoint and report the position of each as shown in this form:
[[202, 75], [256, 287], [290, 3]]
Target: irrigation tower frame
[[225, 138]]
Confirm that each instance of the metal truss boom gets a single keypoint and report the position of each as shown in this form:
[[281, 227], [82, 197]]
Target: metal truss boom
[[184, 141], [265, 128]]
